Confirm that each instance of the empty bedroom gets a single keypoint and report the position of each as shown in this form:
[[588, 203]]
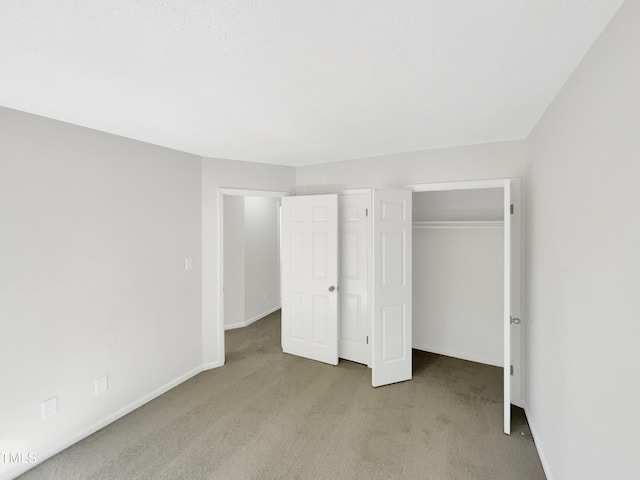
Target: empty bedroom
[[336, 239]]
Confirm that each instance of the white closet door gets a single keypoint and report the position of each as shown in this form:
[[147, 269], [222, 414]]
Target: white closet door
[[517, 341], [353, 267], [507, 307], [309, 256], [391, 336]]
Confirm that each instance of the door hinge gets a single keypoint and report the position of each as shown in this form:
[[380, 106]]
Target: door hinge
[[511, 209], [367, 339], [511, 369]]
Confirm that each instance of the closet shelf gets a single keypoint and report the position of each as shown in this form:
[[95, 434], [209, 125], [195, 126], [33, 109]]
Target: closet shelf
[[459, 224]]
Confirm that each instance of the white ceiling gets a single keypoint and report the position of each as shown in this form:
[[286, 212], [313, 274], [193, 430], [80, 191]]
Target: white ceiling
[[295, 82]]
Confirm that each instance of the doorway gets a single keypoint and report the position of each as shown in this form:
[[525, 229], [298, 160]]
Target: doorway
[[248, 236]]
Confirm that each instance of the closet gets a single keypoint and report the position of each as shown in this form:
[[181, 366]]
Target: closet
[[458, 274], [461, 266], [352, 276]]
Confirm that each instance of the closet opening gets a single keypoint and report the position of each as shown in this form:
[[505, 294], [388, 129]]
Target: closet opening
[[467, 276], [458, 274]]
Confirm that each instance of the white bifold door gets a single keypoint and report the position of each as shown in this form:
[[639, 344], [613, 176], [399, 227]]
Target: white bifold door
[[310, 266], [309, 275], [392, 235], [509, 296], [354, 276]]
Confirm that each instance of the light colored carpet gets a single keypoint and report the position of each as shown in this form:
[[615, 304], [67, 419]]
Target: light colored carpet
[[267, 415]]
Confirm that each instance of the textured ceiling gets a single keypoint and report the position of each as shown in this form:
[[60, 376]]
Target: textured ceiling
[[295, 82]]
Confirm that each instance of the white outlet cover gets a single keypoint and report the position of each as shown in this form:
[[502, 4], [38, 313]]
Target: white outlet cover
[[102, 385], [49, 407]]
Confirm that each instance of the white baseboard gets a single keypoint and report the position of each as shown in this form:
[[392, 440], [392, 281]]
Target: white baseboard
[[449, 353], [537, 442], [94, 427], [212, 365], [248, 322], [235, 325]]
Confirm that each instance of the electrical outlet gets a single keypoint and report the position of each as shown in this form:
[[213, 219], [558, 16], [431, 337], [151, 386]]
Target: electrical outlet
[[188, 263], [102, 385], [49, 408]]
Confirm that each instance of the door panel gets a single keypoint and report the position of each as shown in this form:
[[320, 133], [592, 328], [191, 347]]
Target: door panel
[[391, 336], [354, 277], [393, 333], [517, 332], [507, 307], [349, 312], [393, 265], [309, 253]]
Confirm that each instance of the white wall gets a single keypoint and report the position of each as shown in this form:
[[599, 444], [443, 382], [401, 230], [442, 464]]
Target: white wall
[[234, 261], [217, 173], [262, 276], [251, 268], [475, 162], [583, 237], [94, 231], [484, 204], [458, 274]]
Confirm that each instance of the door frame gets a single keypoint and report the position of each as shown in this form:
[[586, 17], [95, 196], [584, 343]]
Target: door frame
[[516, 251], [236, 192]]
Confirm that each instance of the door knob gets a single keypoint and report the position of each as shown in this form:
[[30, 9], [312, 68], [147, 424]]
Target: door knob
[[515, 320], [332, 288]]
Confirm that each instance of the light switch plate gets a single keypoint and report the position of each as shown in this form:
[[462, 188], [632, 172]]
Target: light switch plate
[[188, 263]]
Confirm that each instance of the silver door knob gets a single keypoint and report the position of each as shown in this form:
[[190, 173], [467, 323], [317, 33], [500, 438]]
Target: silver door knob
[[515, 320], [332, 288]]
